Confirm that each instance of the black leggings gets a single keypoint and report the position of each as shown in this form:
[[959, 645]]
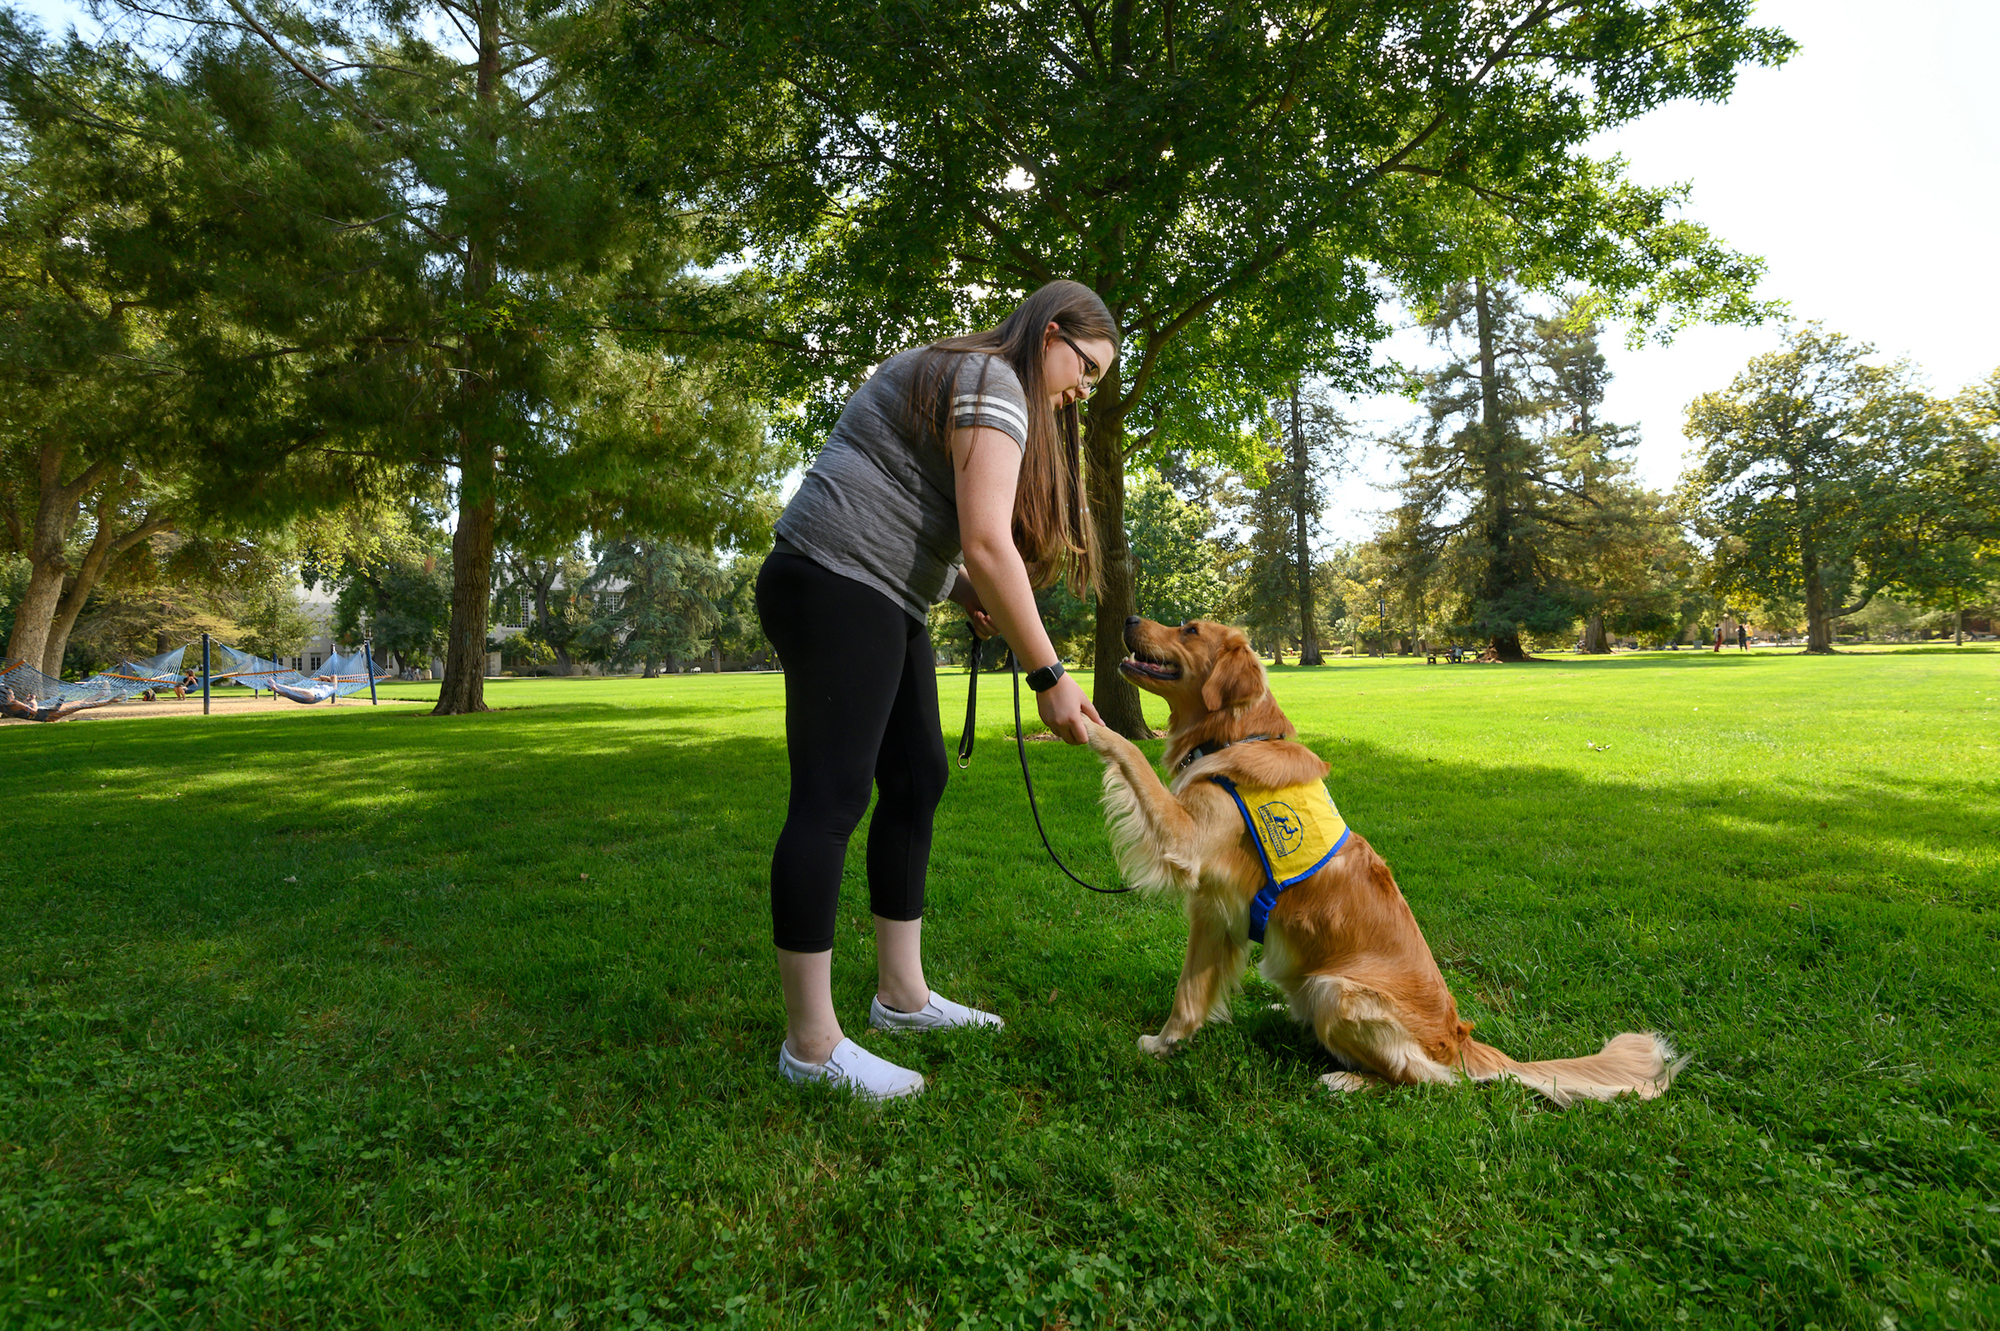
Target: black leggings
[[861, 710]]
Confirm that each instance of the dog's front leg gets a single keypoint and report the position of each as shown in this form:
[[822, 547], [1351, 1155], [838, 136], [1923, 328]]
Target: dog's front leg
[[1215, 958], [1152, 836]]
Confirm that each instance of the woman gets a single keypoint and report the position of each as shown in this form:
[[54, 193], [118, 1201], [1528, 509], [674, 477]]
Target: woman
[[967, 449]]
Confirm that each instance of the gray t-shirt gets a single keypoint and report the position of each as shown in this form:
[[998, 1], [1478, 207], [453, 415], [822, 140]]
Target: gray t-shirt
[[880, 505]]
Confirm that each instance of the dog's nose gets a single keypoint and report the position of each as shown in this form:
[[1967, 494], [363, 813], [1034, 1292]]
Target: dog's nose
[[1131, 621]]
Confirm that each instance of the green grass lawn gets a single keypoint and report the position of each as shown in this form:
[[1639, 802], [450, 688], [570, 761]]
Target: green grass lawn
[[365, 1018]]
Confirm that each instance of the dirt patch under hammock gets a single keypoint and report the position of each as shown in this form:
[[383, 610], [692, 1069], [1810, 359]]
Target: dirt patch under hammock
[[134, 708]]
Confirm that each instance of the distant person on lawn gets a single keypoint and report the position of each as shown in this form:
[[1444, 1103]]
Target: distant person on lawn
[[965, 449]]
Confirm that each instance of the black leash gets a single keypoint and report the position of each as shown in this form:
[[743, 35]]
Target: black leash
[[1021, 744]]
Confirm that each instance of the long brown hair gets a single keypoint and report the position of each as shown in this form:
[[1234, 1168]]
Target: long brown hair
[[1051, 519]]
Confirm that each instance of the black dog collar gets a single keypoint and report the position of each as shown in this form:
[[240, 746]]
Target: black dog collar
[[1200, 751]]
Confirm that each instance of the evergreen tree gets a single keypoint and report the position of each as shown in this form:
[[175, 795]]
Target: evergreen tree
[[1475, 521], [1609, 538], [659, 601], [410, 216], [1280, 585], [1518, 512], [741, 633], [1264, 593], [1179, 577]]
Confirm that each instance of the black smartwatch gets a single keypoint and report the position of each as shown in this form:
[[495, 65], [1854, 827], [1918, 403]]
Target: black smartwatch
[[1041, 681]]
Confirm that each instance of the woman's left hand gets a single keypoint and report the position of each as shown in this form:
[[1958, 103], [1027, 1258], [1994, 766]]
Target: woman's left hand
[[967, 596]]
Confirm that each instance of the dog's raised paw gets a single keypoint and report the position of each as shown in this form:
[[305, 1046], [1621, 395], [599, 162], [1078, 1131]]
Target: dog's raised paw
[[1158, 1047], [1351, 1081]]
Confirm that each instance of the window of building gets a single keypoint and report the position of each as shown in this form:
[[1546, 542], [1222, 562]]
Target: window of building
[[315, 664], [295, 663]]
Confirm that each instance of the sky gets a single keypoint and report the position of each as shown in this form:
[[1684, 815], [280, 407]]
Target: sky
[[1865, 172]]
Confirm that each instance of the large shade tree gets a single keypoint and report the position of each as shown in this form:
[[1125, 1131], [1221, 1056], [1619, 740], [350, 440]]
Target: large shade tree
[[116, 377], [1833, 479], [1238, 181]]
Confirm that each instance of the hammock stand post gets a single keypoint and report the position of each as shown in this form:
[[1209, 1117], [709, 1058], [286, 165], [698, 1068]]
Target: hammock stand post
[[368, 659], [204, 674]]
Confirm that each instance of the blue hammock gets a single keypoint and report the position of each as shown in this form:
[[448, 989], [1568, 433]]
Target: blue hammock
[[227, 665], [26, 694], [339, 677], [145, 672]]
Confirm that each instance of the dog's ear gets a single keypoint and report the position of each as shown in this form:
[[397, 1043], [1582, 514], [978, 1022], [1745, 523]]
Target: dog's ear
[[1236, 677]]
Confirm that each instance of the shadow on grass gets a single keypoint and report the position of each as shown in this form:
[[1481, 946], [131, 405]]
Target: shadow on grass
[[478, 1015]]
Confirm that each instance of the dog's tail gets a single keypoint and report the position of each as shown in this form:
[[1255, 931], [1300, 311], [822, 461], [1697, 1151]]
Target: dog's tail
[[1635, 1063]]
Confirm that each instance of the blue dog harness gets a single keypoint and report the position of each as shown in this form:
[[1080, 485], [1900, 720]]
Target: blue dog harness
[[1296, 830]]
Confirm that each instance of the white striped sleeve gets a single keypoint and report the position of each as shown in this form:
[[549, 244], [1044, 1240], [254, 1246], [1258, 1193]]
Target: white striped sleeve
[[970, 409], [988, 393]]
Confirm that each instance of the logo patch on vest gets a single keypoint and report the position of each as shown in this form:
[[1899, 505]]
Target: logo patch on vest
[[1283, 832]]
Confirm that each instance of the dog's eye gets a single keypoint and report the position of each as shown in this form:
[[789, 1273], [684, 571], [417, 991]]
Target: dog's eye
[[1190, 629]]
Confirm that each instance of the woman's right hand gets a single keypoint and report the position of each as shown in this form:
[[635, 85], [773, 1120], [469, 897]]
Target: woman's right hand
[[1064, 708]]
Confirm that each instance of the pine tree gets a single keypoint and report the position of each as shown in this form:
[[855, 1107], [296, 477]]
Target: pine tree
[[658, 601], [1281, 590], [415, 226], [1607, 535]]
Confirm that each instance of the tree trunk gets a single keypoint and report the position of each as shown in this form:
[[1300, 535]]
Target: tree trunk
[[1278, 652], [1117, 701], [1957, 620], [56, 504], [1595, 641], [718, 655], [1500, 571], [464, 686], [105, 550], [1819, 623], [38, 606], [1302, 551], [652, 667]]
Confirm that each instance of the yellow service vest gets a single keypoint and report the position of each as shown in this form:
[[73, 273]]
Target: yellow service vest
[[1296, 829]]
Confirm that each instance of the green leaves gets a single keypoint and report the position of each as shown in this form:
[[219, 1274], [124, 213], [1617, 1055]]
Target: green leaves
[[1831, 478], [908, 171]]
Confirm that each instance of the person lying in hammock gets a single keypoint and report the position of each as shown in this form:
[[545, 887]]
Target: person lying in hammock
[[52, 709], [322, 688]]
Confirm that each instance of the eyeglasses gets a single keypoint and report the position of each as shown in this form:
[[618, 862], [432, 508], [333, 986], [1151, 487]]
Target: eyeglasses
[[1087, 365]]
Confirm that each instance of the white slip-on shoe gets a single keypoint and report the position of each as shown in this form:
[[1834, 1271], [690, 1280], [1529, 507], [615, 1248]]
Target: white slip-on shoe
[[853, 1068], [936, 1014]]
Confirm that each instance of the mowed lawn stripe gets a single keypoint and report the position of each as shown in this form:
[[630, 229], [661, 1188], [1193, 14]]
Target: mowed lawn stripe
[[367, 1018]]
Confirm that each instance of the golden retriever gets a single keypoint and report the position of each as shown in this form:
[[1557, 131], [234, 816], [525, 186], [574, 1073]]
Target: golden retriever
[[1341, 943]]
